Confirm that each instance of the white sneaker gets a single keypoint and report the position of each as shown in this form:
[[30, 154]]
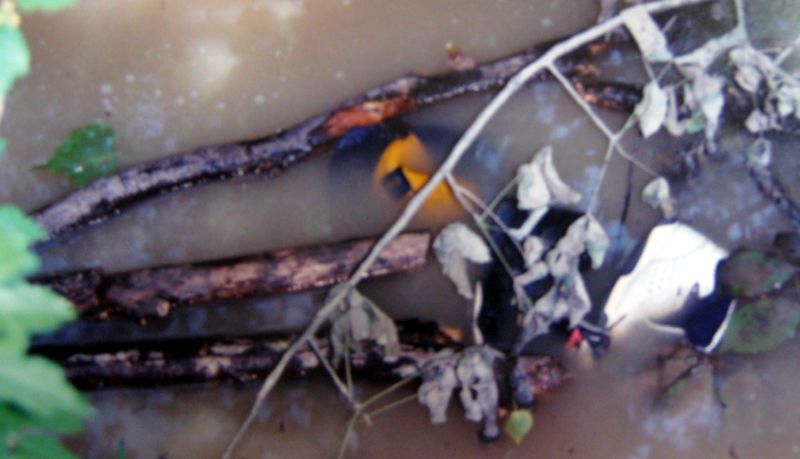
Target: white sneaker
[[675, 259]]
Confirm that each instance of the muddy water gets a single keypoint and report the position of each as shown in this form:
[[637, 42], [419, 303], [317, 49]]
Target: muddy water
[[170, 76]]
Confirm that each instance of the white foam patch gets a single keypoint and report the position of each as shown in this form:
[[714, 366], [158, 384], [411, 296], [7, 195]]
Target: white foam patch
[[211, 61]]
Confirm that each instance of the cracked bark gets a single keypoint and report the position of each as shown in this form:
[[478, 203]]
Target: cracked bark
[[153, 292]]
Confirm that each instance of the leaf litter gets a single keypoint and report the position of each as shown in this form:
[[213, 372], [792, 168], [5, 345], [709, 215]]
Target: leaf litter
[[539, 187], [473, 372], [358, 320]]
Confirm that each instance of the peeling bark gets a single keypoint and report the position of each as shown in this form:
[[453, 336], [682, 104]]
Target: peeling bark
[[153, 292]]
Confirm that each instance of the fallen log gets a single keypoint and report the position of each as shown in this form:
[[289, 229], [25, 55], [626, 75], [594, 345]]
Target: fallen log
[[153, 292], [244, 359]]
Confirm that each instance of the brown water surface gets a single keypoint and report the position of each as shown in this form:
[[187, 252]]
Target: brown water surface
[[170, 76]]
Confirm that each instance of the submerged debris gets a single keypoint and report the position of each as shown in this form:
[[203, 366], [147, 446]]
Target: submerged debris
[[438, 383], [359, 320], [674, 259], [473, 371]]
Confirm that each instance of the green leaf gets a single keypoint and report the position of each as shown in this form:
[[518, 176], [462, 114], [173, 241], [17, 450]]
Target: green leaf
[[518, 424], [40, 388], [3, 143], [11, 418], [40, 446], [15, 59], [87, 153], [17, 232], [44, 5], [751, 273], [34, 307], [13, 339], [15, 223], [761, 326], [697, 123]]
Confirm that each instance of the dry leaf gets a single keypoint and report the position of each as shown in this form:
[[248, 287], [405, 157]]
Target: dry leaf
[[652, 110], [584, 234], [672, 124], [479, 393], [597, 241], [566, 299], [698, 61], [454, 245], [540, 185], [532, 250], [649, 38], [657, 194], [707, 95], [366, 114], [748, 73], [360, 320], [532, 191], [536, 272], [438, 383], [758, 122], [788, 96]]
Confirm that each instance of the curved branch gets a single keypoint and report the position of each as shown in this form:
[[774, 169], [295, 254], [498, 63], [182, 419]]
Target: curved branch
[[111, 195]]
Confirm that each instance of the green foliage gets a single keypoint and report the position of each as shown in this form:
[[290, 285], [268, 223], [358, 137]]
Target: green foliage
[[2, 144], [15, 59], [696, 124], [518, 424], [39, 388], [17, 232], [44, 5], [34, 308], [36, 400], [87, 153], [752, 273], [38, 446], [761, 326]]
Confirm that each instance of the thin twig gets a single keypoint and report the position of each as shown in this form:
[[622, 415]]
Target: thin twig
[[348, 372], [486, 211], [787, 51], [597, 120], [358, 409], [351, 425], [612, 143], [415, 203], [389, 406], [502, 194], [462, 196], [348, 394]]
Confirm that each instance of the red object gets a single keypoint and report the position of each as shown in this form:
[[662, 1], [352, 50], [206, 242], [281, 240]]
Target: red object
[[575, 339]]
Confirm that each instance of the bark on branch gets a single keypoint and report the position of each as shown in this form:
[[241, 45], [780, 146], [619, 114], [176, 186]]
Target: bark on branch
[[110, 195], [247, 359], [153, 292]]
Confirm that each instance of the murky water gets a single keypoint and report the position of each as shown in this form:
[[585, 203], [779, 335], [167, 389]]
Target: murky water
[[170, 76]]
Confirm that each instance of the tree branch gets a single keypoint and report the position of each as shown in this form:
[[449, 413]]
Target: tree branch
[[153, 292], [110, 195], [244, 359]]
